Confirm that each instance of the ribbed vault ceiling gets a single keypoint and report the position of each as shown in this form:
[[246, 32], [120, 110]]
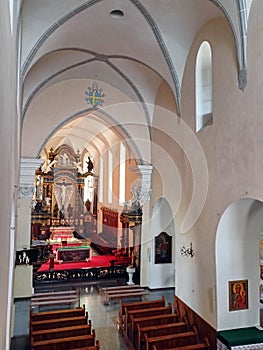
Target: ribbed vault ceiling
[[65, 40]]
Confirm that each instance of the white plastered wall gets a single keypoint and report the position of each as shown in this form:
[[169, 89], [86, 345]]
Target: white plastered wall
[[161, 275], [232, 150], [237, 258]]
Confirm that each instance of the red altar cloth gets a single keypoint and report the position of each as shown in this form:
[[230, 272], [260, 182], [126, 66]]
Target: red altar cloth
[[95, 261]]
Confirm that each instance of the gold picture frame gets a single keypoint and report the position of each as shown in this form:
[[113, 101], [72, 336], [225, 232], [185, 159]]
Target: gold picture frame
[[238, 295]]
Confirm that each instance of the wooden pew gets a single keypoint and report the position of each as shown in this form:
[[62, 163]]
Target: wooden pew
[[173, 340], [143, 313], [50, 294], [54, 302], [137, 305], [157, 330], [67, 343], [60, 313], [54, 298], [152, 321], [58, 323], [119, 288], [61, 332], [95, 347], [199, 346], [124, 294]]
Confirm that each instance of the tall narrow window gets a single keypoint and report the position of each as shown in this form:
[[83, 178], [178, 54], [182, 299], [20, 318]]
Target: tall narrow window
[[204, 86], [122, 174], [110, 167], [101, 180]]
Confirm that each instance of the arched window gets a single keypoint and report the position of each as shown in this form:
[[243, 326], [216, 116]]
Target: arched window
[[204, 86], [101, 180], [110, 168], [122, 174]]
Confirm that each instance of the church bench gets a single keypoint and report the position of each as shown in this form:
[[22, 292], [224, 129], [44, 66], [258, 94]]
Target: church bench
[[55, 314], [95, 347], [133, 286], [61, 332], [55, 302], [172, 340], [199, 346], [53, 297], [137, 305], [143, 313], [158, 330], [136, 293], [50, 294], [152, 321], [126, 290], [58, 323], [65, 343]]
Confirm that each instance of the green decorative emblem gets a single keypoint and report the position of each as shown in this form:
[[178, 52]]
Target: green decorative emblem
[[94, 96]]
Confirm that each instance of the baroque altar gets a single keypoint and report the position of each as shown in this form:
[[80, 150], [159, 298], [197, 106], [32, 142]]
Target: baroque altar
[[60, 193]]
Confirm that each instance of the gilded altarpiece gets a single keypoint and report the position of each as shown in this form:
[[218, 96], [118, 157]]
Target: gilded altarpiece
[[59, 194]]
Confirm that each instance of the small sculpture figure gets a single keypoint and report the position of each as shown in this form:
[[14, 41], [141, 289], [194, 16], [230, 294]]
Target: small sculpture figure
[[48, 165], [69, 210], [55, 211], [88, 204], [90, 165]]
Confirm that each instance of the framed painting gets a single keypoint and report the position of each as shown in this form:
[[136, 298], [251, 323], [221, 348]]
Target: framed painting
[[163, 248], [238, 295]]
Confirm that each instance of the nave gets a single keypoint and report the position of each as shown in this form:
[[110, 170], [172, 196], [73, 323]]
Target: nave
[[103, 318]]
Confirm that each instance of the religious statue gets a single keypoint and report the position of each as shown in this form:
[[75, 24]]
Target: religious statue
[[63, 193], [78, 165], [90, 165], [88, 204], [48, 165], [63, 160], [134, 204], [55, 211], [69, 211]]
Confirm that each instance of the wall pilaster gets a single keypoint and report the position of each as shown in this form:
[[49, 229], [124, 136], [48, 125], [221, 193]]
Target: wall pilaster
[[23, 283]]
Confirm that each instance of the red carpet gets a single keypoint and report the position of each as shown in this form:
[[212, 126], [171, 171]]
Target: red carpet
[[95, 261]]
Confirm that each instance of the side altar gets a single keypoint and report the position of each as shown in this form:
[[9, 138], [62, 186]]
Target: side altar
[[61, 233], [73, 254]]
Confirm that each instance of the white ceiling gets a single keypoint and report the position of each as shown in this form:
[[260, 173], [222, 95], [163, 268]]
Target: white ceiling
[[65, 40]]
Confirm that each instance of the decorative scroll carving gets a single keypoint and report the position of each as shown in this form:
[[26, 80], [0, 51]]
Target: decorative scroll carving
[[26, 191]]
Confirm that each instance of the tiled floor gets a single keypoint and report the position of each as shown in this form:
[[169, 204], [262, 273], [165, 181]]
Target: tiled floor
[[103, 318]]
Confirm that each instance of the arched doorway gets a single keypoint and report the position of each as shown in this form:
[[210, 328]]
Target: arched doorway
[[237, 259], [162, 275]]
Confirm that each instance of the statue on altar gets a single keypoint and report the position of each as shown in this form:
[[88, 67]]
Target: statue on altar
[[63, 193], [90, 165], [133, 206]]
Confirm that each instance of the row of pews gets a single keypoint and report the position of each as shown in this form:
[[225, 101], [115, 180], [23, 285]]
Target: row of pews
[[153, 325], [123, 292], [62, 329]]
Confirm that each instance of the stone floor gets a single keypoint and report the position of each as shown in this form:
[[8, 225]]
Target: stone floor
[[103, 318]]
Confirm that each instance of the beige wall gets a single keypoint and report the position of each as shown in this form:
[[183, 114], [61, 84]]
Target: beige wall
[[232, 149], [9, 144]]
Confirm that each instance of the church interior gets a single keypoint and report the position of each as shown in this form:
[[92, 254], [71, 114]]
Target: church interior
[[131, 138]]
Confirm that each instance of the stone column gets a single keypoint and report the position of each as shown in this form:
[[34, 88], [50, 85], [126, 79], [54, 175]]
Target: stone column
[[23, 274], [28, 166], [10, 150], [145, 172]]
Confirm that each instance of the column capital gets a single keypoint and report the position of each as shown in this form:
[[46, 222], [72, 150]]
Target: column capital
[[143, 190], [28, 166]]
